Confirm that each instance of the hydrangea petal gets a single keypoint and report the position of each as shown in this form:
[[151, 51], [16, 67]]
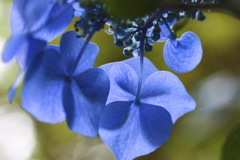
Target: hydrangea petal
[[77, 9], [15, 44], [184, 54], [58, 25], [84, 99], [12, 90], [33, 47], [42, 90], [28, 15], [165, 89], [165, 34], [123, 81], [62, 13], [132, 130], [70, 47], [148, 67]]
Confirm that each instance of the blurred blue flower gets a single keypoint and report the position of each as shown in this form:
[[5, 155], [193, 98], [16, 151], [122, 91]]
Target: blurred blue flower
[[33, 24], [52, 93], [131, 127]]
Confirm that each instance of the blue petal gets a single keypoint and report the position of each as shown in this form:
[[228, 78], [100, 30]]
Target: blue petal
[[84, 98], [70, 47], [165, 34], [43, 86], [28, 15], [184, 54], [148, 67], [12, 90], [123, 81], [60, 15], [27, 54], [15, 44], [77, 9], [165, 89], [58, 25], [132, 130]]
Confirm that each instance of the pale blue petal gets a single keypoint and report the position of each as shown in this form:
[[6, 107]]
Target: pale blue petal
[[57, 17], [148, 67], [184, 54], [132, 130], [84, 98], [12, 90], [123, 81], [165, 34], [17, 44], [166, 90], [33, 47], [43, 87], [28, 15], [58, 25], [77, 9], [70, 47]]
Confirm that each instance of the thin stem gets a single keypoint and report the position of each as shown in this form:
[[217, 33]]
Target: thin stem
[[141, 47], [169, 28], [95, 27], [170, 6]]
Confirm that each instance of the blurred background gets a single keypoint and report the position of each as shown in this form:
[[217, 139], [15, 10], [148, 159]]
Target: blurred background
[[198, 135]]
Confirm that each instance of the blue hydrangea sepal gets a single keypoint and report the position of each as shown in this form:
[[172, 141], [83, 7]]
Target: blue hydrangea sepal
[[184, 54], [132, 130]]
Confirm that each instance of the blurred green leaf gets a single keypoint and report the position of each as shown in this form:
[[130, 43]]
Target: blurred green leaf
[[231, 147], [131, 9], [232, 6]]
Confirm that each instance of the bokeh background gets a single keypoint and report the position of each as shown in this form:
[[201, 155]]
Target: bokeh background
[[199, 135]]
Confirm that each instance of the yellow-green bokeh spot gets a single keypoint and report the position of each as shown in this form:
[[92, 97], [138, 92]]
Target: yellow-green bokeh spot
[[131, 9]]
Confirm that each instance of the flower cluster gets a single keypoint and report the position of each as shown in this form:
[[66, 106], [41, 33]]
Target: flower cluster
[[130, 104]]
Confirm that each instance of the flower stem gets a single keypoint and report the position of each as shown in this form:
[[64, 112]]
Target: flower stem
[[173, 35], [90, 35], [141, 47]]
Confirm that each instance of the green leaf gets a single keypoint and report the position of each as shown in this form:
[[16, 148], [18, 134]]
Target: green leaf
[[233, 6], [231, 147], [131, 9]]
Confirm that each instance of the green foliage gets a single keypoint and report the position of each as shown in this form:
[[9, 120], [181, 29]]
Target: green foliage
[[231, 147], [131, 9]]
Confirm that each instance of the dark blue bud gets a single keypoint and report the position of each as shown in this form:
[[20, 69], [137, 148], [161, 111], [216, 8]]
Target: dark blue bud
[[126, 25], [156, 36], [128, 42], [148, 48], [127, 52], [201, 16], [138, 36], [171, 17], [156, 29], [118, 42], [188, 15], [140, 22]]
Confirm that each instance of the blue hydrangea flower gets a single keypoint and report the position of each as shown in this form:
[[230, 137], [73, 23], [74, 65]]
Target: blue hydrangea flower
[[47, 20], [184, 54], [33, 24], [130, 127], [52, 93]]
